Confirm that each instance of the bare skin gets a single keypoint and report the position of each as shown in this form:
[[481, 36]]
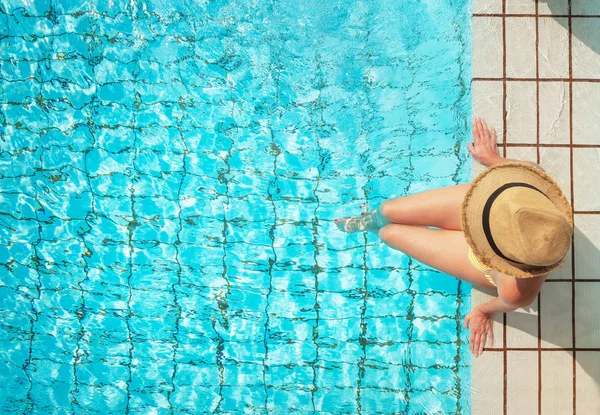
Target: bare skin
[[446, 249]]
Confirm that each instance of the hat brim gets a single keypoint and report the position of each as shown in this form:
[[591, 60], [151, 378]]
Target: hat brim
[[472, 210]]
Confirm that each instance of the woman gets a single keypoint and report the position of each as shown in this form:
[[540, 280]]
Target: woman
[[508, 230]]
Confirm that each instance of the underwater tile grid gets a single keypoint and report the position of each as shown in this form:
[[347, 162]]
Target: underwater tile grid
[[169, 176], [536, 76]]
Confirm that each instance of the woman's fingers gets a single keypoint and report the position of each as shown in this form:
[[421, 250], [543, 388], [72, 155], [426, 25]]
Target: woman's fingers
[[477, 344], [482, 135], [481, 333], [475, 132], [486, 134], [481, 343], [480, 129], [478, 340], [471, 341]]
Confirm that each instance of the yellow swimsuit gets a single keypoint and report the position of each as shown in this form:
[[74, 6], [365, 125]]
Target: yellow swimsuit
[[480, 266]]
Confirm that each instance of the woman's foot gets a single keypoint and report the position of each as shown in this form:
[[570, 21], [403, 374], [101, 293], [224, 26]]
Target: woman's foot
[[351, 224], [368, 221]]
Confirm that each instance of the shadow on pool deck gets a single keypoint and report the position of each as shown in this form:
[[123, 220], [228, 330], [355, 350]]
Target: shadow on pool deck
[[527, 320], [587, 35]]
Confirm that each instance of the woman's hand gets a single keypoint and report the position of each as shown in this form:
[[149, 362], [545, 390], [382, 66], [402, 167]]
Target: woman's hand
[[481, 326], [483, 148]]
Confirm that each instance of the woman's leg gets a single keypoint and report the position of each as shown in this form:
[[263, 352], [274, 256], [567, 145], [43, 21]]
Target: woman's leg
[[445, 250], [436, 207]]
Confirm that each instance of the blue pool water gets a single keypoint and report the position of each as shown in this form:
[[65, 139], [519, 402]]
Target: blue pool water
[[169, 173]]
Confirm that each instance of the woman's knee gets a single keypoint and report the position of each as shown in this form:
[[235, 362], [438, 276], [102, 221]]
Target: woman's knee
[[385, 232], [386, 208]]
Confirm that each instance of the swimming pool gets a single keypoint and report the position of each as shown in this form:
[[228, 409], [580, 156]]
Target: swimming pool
[[169, 176]]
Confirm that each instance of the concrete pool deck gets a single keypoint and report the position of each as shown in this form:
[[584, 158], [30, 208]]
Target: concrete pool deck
[[536, 78]]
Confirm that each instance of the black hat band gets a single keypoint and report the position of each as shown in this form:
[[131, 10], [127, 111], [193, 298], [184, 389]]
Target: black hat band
[[485, 220]]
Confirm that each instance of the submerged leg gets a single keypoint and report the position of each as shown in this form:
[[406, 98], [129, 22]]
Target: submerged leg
[[438, 207], [372, 221]]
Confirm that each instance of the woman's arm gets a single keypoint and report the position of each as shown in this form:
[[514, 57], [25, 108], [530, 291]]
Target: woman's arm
[[515, 292], [497, 306], [479, 321]]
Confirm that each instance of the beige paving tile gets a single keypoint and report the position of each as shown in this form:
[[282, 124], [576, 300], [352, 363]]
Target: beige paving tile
[[520, 6], [487, 384], [587, 323], [586, 48], [521, 111], [553, 49], [522, 383], [520, 47], [585, 7], [482, 295], [587, 246], [488, 99], [522, 153], [487, 60], [557, 383], [586, 170], [477, 169], [587, 389], [556, 315], [554, 113], [586, 112], [522, 326], [487, 6], [565, 272], [557, 163], [501, 151], [553, 7]]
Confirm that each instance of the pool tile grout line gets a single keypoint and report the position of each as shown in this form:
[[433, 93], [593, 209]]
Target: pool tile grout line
[[537, 133], [578, 16], [539, 351], [504, 139], [512, 78], [551, 145], [574, 368], [544, 349]]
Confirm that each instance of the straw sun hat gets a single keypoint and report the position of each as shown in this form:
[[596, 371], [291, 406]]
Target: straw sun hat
[[517, 220]]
